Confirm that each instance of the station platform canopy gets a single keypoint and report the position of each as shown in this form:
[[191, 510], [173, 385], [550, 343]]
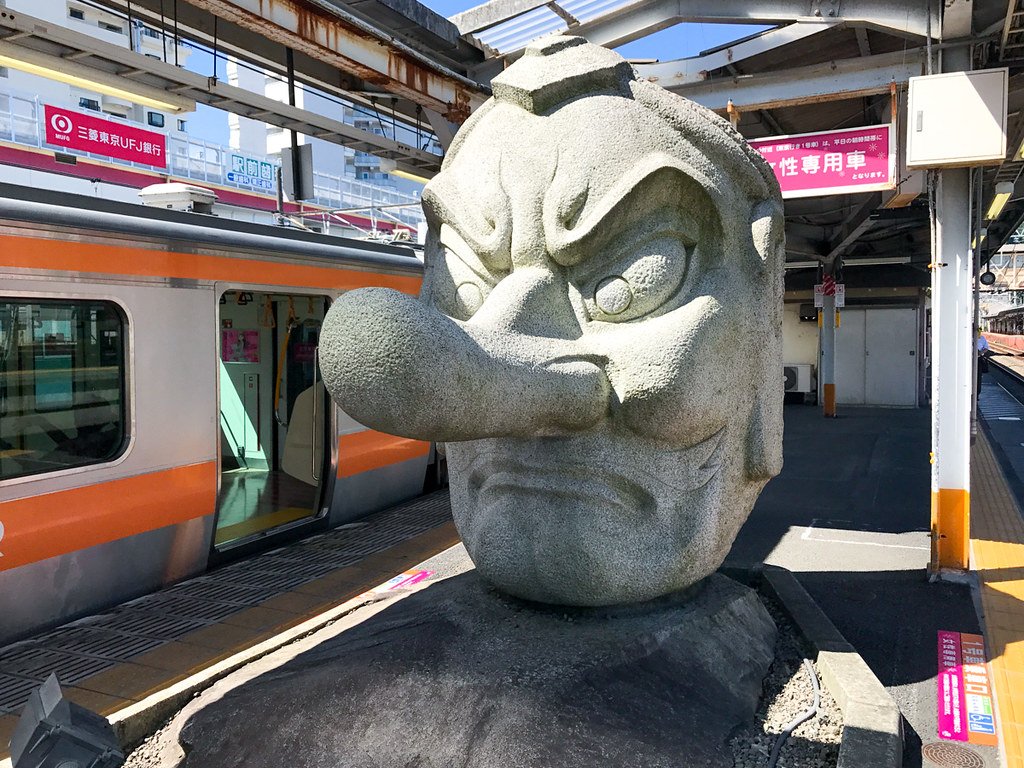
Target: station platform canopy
[[820, 65]]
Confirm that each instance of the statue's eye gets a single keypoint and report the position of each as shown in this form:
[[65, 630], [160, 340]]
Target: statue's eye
[[469, 297], [613, 295], [463, 281], [642, 283]]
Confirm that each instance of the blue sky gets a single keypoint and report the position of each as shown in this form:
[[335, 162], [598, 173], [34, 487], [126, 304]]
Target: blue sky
[[207, 123], [678, 42]]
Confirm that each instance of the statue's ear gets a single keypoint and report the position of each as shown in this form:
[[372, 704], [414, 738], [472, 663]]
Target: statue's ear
[[768, 232], [764, 431]]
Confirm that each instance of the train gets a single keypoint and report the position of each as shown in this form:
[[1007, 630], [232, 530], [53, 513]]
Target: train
[[161, 410]]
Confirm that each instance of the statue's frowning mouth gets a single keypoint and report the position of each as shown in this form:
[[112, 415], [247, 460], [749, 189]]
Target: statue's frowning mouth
[[601, 473]]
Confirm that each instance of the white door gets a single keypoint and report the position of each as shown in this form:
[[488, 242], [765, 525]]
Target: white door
[[890, 364], [849, 370], [876, 357]]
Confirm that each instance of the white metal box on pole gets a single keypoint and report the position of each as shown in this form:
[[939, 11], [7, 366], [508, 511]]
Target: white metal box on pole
[[957, 119]]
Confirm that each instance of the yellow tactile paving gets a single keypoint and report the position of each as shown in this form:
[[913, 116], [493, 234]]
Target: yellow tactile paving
[[223, 637], [261, 618], [179, 657], [997, 546], [347, 580], [102, 703], [129, 681]]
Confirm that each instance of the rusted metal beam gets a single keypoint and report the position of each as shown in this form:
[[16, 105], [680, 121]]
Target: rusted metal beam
[[326, 33]]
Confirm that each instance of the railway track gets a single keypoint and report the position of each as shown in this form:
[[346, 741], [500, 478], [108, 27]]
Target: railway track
[[1007, 369]]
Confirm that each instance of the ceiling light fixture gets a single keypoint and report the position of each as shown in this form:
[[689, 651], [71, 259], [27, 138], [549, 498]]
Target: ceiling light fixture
[[390, 167], [1003, 191], [876, 261]]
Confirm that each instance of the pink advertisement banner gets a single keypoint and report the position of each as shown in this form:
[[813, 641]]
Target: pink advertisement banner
[[406, 579], [832, 162], [66, 128]]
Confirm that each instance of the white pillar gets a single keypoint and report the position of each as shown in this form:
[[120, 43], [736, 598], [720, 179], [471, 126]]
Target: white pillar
[[952, 352]]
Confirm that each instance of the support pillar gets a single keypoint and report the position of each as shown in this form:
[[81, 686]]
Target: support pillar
[[952, 354], [827, 366]]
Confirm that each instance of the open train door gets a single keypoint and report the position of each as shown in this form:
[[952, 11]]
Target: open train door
[[276, 466]]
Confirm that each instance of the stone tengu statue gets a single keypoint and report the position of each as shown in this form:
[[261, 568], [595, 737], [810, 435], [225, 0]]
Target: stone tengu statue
[[598, 337]]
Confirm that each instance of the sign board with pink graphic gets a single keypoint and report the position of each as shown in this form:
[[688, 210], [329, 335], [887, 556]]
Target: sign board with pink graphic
[[239, 346], [74, 130], [965, 694], [832, 162]]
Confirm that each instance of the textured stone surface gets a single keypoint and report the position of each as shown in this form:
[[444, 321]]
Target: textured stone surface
[[598, 338], [459, 675]]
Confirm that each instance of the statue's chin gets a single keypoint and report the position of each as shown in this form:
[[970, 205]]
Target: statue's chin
[[593, 545]]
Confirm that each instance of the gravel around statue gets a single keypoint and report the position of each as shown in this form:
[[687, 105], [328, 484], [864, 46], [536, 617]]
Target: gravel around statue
[[598, 337]]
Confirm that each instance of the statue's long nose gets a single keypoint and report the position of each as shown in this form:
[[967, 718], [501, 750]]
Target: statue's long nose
[[399, 366]]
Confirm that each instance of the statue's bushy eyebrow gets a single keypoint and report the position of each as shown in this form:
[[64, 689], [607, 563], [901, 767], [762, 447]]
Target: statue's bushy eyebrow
[[488, 234], [450, 238], [619, 239], [573, 232]]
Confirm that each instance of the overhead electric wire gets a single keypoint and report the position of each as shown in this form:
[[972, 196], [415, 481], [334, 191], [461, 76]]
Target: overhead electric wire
[[417, 131]]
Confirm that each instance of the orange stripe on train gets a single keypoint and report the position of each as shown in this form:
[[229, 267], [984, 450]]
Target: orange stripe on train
[[40, 527], [40, 253], [363, 451]]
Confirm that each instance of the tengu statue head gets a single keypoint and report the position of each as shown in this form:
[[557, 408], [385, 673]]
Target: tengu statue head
[[598, 337]]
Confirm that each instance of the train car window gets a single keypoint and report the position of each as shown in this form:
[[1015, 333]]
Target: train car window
[[62, 384]]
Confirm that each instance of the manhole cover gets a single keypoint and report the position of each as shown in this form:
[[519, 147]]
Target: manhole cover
[[946, 755]]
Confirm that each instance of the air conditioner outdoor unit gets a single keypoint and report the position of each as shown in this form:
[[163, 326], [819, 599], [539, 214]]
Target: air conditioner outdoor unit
[[798, 377]]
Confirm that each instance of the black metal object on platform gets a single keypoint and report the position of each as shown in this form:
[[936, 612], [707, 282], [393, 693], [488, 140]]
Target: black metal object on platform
[[56, 733]]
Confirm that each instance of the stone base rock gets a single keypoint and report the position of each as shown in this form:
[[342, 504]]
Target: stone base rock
[[459, 675]]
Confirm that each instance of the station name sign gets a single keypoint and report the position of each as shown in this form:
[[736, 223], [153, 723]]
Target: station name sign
[[254, 173], [832, 162], [87, 133]]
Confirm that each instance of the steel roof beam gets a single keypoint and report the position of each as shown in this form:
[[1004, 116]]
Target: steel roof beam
[[493, 13], [247, 46], [831, 81], [643, 17], [695, 69], [847, 233], [325, 32]]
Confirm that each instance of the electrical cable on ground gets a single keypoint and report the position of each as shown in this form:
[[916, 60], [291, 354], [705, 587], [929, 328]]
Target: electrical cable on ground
[[774, 757]]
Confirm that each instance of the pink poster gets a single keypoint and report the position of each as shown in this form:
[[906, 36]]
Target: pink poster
[[832, 162], [239, 346], [66, 128], [951, 697]]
